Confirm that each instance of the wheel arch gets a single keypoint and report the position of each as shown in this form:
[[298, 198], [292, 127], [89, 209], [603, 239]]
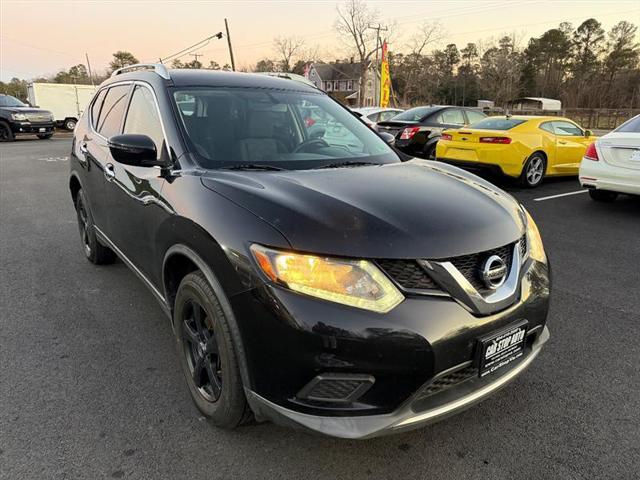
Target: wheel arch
[[74, 186], [179, 261]]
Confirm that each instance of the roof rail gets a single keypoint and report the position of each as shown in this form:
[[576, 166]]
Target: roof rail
[[159, 68], [291, 76]]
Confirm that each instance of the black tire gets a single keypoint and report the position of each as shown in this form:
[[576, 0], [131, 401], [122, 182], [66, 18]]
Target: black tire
[[70, 124], [429, 152], [533, 171], [602, 195], [6, 135], [95, 252], [44, 136], [207, 353]]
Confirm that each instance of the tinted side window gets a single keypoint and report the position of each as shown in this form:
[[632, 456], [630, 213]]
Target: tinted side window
[[474, 116], [567, 129], [142, 117], [548, 127], [112, 111], [451, 116], [95, 107], [374, 117]]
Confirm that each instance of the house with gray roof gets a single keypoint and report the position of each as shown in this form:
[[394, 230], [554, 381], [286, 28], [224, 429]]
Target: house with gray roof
[[341, 80]]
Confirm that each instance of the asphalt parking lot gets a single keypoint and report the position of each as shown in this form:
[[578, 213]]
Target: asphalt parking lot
[[90, 386]]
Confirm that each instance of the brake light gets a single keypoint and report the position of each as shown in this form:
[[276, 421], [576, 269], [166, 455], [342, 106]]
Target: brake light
[[409, 132], [446, 136], [502, 140], [591, 153]]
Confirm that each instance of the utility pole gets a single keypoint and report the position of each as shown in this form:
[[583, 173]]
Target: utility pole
[[233, 63], [196, 55], [376, 94], [89, 68]]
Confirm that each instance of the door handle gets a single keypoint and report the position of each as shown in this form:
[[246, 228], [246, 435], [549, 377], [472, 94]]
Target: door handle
[[83, 147], [562, 142], [109, 171]]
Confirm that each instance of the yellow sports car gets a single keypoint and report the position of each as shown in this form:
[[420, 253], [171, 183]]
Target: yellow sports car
[[525, 147]]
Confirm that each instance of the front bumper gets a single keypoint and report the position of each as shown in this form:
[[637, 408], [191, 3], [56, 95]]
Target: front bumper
[[603, 176], [32, 128], [291, 339], [404, 418]]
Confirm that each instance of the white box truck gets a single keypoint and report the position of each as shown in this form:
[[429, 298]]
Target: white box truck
[[65, 101]]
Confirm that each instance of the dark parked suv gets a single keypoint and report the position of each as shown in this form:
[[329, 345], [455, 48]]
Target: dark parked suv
[[17, 118], [311, 277]]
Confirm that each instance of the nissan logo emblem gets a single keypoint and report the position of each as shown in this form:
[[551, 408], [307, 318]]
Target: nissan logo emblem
[[494, 272]]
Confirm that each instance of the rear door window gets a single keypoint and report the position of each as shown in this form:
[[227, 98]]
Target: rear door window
[[451, 116], [113, 108], [95, 107]]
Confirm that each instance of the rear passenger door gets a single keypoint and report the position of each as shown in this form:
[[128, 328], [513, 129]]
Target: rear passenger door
[[135, 205], [105, 118]]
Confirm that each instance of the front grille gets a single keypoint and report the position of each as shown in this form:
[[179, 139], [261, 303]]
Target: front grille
[[411, 276], [38, 117], [470, 266], [447, 381], [408, 274]]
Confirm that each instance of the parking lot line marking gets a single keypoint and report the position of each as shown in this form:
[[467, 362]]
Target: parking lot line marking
[[559, 195]]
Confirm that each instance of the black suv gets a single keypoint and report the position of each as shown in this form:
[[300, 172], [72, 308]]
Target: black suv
[[17, 118], [311, 277], [418, 129]]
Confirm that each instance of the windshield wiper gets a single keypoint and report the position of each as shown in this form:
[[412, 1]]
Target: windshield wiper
[[348, 164], [252, 166]]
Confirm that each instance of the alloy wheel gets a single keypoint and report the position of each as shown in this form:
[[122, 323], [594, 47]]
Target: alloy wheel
[[83, 224], [535, 170], [201, 351]]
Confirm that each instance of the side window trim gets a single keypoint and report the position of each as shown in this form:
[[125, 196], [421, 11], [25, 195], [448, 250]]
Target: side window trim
[[93, 102]]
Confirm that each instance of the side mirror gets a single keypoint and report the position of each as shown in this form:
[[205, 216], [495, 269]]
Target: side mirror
[[388, 138], [588, 133], [135, 150]]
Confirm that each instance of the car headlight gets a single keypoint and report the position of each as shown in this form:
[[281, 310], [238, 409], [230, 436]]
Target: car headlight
[[21, 117], [536, 249], [357, 283]]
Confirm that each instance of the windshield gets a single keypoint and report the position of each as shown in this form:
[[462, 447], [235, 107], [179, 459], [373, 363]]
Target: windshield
[[231, 127], [493, 123], [414, 114], [9, 101]]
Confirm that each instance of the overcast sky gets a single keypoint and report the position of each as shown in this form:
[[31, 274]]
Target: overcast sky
[[42, 37]]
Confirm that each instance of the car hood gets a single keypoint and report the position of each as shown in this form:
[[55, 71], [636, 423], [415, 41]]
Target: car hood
[[415, 209], [24, 110]]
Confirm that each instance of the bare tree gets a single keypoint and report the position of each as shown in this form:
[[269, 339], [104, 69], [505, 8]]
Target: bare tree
[[287, 48], [352, 24], [427, 34]]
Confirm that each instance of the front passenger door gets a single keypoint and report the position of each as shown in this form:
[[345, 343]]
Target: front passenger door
[[135, 205]]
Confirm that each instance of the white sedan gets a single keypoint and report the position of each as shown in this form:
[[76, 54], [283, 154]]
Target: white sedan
[[611, 164], [372, 115]]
